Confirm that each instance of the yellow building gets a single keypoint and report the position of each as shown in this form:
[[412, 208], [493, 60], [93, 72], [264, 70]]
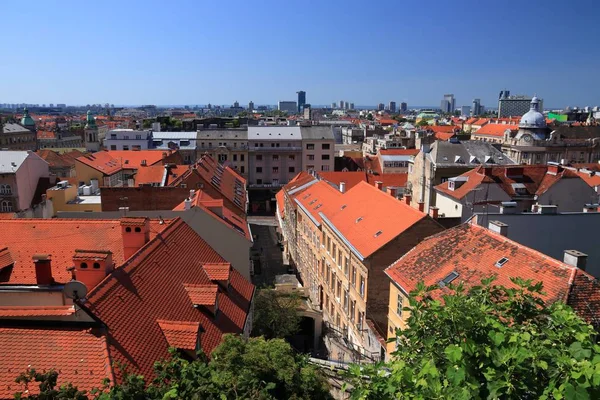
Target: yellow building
[[65, 197]]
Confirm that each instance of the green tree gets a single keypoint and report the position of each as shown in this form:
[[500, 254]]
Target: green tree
[[147, 124], [489, 342], [275, 314], [370, 117], [238, 369], [423, 122]]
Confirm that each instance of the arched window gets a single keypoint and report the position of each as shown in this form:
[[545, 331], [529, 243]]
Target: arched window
[[7, 189], [6, 206]]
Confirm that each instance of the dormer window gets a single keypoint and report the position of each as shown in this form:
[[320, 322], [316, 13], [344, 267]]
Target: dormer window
[[451, 185]]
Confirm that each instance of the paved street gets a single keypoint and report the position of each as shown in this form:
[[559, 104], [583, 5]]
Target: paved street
[[268, 253]]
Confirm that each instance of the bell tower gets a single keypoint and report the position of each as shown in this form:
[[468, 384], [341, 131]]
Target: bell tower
[[92, 143]]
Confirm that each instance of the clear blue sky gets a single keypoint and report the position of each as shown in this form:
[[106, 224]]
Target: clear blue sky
[[195, 52]]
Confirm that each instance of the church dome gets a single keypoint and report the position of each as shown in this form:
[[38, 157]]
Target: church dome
[[533, 118], [27, 121]]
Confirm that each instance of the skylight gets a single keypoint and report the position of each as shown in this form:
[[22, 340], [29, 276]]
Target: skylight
[[377, 233], [501, 262], [449, 278], [343, 206], [359, 219]]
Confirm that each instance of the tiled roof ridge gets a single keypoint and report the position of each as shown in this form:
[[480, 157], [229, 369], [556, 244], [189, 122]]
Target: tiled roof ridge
[[139, 255], [106, 352]]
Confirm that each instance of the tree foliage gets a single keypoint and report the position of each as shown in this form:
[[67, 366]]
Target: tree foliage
[[423, 122], [275, 314], [489, 342], [238, 369]]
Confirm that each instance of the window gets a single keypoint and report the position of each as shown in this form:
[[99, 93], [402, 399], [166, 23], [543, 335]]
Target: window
[[346, 266], [353, 276], [6, 206], [325, 146], [291, 157], [275, 170], [275, 157], [275, 181], [138, 137], [362, 286], [242, 169], [324, 156], [361, 317], [311, 157], [339, 289], [337, 319], [334, 252], [399, 305], [272, 144], [328, 244], [125, 147], [258, 157], [345, 303], [259, 170], [222, 158], [352, 309], [259, 181], [292, 169], [242, 157], [5, 189], [324, 167], [310, 146], [235, 157], [339, 259], [327, 276]]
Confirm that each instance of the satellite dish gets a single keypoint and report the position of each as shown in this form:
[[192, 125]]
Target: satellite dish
[[75, 290]]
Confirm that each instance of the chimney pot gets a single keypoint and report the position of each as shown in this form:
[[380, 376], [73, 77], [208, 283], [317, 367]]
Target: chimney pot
[[136, 233], [392, 191], [43, 269], [575, 258], [92, 266], [343, 187], [407, 199], [379, 185], [421, 206], [434, 211], [498, 227]]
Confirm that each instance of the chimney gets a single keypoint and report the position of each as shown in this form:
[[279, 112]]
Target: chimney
[[343, 187], [575, 258], [192, 193], [392, 191], [407, 199], [379, 185], [92, 266], [124, 211], [434, 212], [187, 204], [508, 207], [554, 169], [43, 269], [421, 206], [136, 233], [498, 227], [589, 208]]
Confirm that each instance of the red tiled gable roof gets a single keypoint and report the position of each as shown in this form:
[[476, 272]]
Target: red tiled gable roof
[[386, 121], [351, 178], [154, 174], [280, 198], [319, 197], [368, 227], [56, 160], [80, 355], [372, 165], [46, 135], [472, 252], [535, 178], [109, 162], [584, 298], [203, 295], [444, 128], [36, 311], [217, 271], [496, 129], [481, 121], [150, 288], [59, 238], [5, 258], [399, 152], [389, 180], [102, 161], [443, 135], [180, 334], [592, 178], [471, 121]]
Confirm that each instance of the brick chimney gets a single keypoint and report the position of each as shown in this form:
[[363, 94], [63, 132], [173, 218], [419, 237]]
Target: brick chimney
[[407, 199], [421, 206], [392, 191], [379, 185], [43, 269], [554, 169], [434, 212], [92, 266], [136, 233]]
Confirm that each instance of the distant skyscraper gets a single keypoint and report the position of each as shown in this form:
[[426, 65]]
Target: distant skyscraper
[[465, 110], [392, 106], [236, 104], [380, 107], [476, 108], [251, 106], [515, 105], [301, 100], [403, 107], [342, 104], [352, 106], [334, 105], [448, 103], [291, 107]]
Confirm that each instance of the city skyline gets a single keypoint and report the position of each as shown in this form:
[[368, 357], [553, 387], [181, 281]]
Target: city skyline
[[145, 54]]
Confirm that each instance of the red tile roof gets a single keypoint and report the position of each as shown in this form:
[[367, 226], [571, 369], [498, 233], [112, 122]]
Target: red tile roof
[[399, 152], [203, 295], [80, 355], [154, 174], [319, 197], [59, 238], [5, 258], [351, 178], [389, 180], [368, 227], [473, 253], [36, 311], [46, 135], [56, 160], [109, 162], [180, 334], [496, 129], [150, 288], [443, 135], [280, 198], [217, 271], [444, 128], [481, 121]]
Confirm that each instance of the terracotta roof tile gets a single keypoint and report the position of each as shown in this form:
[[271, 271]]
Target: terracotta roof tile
[[217, 271], [6, 259], [474, 252], [203, 295], [351, 178], [59, 238], [110, 162], [35, 311], [496, 129], [180, 334], [80, 355], [399, 152]]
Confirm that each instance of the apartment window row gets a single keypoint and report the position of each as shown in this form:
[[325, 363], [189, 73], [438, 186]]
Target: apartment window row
[[275, 170], [324, 146]]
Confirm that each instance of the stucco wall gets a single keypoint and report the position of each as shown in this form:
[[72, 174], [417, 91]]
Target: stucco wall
[[28, 175]]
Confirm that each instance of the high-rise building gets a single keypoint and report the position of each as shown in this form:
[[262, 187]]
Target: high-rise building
[[342, 104], [465, 110], [448, 104], [515, 105], [380, 107], [392, 106], [251, 106], [236, 104], [301, 100], [334, 105], [476, 109], [352, 106], [403, 107], [291, 107]]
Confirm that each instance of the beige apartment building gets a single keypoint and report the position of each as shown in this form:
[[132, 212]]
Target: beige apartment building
[[228, 146], [318, 149], [343, 243]]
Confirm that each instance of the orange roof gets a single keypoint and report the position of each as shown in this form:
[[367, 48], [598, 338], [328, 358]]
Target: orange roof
[[399, 152], [180, 334], [280, 198], [443, 135], [389, 180], [351, 178], [109, 162], [471, 120], [481, 121], [36, 311], [496, 129], [592, 178], [46, 135], [443, 128], [217, 271], [474, 252], [368, 227], [203, 295], [59, 238], [385, 121], [318, 197], [80, 355], [154, 174]]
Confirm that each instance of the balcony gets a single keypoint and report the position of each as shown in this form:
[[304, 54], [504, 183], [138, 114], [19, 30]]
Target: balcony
[[266, 185]]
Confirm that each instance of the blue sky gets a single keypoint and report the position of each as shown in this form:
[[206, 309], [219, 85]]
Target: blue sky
[[195, 52]]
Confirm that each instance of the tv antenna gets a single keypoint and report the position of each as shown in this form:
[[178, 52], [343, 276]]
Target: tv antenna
[[75, 290]]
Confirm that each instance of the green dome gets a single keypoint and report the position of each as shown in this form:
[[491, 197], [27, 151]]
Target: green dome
[[90, 122], [27, 121]]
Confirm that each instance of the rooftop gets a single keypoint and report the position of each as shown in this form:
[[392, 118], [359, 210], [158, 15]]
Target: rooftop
[[274, 133], [10, 161]]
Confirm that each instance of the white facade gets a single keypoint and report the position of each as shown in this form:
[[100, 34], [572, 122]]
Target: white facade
[[128, 139]]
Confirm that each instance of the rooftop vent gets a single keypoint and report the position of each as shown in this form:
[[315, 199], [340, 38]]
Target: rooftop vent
[[500, 263], [377, 233], [359, 219]]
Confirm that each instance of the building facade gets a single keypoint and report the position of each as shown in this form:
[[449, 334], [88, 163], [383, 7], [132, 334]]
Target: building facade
[[515, 105], [318, 148], [227, 146], [20, 173], [291, 107], [17, 137], [184, 142], [128, 139]]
